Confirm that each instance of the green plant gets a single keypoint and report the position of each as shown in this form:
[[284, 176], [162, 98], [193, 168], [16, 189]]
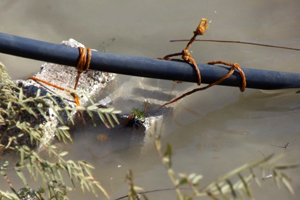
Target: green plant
[[139, 114], [24, 123], [233, 185], [133, 190]]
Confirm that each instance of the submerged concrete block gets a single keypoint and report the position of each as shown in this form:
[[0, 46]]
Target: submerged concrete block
[[91, 83]]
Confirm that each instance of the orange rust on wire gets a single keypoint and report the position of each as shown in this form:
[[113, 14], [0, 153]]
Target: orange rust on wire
[[200, 30], [50, 84], [234, 67], [185, 54], [145, 107], [83, 64], [131, 116]]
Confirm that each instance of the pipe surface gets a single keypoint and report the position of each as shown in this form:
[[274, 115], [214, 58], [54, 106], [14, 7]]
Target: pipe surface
[[145, 67]]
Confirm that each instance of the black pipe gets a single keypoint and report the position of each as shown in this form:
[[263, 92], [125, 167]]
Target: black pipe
[[145, 67]]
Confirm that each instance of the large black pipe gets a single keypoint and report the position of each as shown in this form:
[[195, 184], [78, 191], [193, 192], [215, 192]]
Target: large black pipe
[[145, 67]]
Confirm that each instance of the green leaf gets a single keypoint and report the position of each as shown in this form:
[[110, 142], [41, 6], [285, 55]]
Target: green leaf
[[9, 105], [247, 189], [55, 110], [109, 119], [197, 179], [115, 118], [86, 164], [255, 178], [281, 167], [103, 119], [158, 145], [21, 175], [22, 156], [231, 188], [68, 168], [29, 168], [116, 112], [41, 190], [80, 108], [137, 188], [181, 182], [38, 93], [43, 113], [191, 176], [52, 99], [28, 109], [211, 195], [92, 108], [91, 116], [221, 192], [168, 154], [64, 128], [276, 178], [106, 110], [69, 115], [62, 154], [20, 95], [286, 183]]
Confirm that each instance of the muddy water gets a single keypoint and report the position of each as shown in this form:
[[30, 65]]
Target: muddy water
[[211, 132]]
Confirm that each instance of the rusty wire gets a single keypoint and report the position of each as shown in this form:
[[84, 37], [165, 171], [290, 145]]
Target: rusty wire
[[83, 64], [186, 56]]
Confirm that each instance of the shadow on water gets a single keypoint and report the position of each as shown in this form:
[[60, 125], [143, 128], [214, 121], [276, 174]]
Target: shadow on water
[[242, 116], [94, 142]]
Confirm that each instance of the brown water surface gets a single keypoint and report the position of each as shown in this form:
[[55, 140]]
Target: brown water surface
[[211, 132]]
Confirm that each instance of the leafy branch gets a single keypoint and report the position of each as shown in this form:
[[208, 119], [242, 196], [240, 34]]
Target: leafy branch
[[31, 119], [226, 184]]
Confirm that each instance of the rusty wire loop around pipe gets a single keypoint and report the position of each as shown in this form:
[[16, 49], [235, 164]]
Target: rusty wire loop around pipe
[[185, 53], [83, 64], [234, 67], [186, 56]]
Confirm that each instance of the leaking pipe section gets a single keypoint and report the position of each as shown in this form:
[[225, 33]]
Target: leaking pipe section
[[144, 67]]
